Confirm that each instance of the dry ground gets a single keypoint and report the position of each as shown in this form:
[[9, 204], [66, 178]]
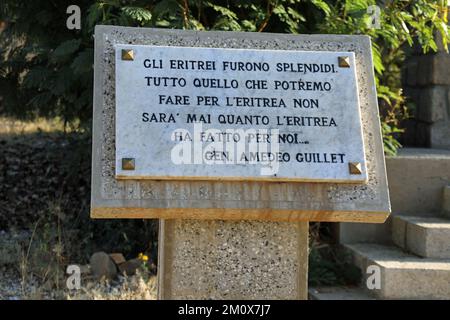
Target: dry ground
[[137, 287], [44, 218]]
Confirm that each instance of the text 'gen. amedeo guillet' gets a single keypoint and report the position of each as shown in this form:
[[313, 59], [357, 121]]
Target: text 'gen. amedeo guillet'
[[237, 114]]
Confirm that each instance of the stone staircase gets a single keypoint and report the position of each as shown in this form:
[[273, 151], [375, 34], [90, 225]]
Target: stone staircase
[[416, 265], [427, 237]]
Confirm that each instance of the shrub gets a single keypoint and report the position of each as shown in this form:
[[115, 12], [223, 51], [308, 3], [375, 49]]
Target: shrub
[[46, 69]]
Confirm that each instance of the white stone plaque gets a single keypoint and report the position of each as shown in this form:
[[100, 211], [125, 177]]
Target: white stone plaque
[[237, 114]]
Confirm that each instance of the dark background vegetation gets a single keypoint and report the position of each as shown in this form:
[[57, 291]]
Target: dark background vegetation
[[46, 71], [45, 186]]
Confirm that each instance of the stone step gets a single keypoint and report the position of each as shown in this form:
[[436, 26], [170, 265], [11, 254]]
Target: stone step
[[401, 275], [338, 293], [428, 237]]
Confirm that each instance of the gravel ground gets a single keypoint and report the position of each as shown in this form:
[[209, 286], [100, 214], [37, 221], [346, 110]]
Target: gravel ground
[[137, 287]]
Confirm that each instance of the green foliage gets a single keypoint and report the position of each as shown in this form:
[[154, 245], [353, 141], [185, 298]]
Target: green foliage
[[46, 69], [402, 23]]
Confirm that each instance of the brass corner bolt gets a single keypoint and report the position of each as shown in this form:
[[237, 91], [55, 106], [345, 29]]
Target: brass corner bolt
[[128, 164], [344, 62], [127, 54], [355, 167]]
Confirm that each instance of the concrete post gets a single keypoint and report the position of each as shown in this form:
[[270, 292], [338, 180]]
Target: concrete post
[[232, 260]]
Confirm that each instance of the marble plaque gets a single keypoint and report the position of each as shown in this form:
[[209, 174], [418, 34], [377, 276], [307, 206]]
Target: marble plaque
[[134, 172], [237, 114]]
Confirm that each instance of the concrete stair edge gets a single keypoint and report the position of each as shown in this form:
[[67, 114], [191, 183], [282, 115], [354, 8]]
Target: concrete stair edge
[[428, 237], [402, 276], [338, 293]]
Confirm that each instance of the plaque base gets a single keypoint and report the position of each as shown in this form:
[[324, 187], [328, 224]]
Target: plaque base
[[232, 260]]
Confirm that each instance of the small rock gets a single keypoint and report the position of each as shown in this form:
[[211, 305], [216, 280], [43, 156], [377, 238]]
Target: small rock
[[103, 266], [118, 258], [129, 267]]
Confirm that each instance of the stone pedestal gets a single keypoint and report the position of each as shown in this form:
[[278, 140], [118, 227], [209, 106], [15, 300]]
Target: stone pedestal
[[232, 260], [209, 258]]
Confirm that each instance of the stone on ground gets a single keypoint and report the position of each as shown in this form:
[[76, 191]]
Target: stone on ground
[[129, 267], [102, 266], [118, 258]]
